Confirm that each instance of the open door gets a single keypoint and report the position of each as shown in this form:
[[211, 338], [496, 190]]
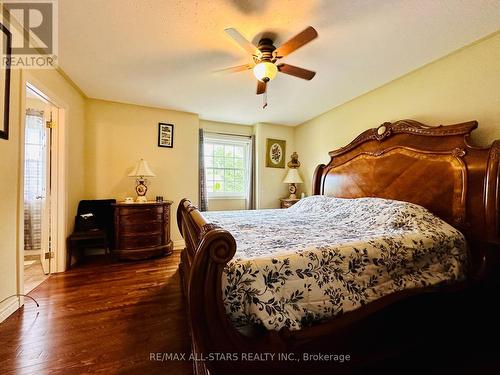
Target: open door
[[44, 186], [38, 182], [45, 196]]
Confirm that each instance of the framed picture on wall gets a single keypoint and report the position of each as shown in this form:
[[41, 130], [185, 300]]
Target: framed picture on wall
[[5, 47], [165, 135], [275, 153]]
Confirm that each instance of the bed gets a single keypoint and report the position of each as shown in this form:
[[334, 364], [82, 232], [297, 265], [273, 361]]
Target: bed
[[326, 256], [404, 211]]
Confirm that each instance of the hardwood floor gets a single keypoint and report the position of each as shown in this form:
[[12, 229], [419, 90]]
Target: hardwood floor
[[33, 273], [100, 319], [104, 318]]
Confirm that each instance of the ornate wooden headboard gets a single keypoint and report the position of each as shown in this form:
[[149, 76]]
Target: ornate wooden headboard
[[433, 166]]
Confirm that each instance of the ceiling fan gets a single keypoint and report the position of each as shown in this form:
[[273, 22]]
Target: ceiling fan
[[266, 55]]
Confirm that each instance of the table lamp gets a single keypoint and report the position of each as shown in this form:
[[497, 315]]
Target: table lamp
[[293, 176], [140, 171]]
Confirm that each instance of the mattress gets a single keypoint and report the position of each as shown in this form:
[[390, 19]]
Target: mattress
[[326, 256]]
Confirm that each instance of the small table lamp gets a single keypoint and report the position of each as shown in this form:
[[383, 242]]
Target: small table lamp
[[293, 176], [140, 171]]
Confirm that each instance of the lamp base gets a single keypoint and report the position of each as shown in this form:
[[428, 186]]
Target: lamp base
[[141, 189], [292, 189]]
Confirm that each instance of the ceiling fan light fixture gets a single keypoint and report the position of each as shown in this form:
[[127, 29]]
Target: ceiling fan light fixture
[[265, 71]]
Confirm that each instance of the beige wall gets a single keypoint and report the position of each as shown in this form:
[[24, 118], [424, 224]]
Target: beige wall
[[118, 135], [10, 168], [9, 161], [270, 187], [226, 204], [459, 87]]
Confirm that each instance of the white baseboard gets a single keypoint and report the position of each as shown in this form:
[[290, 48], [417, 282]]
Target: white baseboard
[[179, 245], [9, 308]]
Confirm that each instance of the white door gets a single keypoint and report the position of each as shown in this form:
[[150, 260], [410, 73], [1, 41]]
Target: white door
[[46, 241], [38, 177]]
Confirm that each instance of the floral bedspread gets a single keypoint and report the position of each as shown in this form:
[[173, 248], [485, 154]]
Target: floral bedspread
[[326, 256]]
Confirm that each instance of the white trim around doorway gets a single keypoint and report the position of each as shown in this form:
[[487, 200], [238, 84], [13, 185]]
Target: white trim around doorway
[[59, 197]]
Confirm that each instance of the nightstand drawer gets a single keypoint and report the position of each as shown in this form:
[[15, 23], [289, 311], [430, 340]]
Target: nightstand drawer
[[140, 219], [141, 228], [134, 242], [141, 211]]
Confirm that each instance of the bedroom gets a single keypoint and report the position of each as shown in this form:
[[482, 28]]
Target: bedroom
[[117, 78]]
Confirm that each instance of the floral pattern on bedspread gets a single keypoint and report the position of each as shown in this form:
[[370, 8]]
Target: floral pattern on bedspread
[[326, 256]]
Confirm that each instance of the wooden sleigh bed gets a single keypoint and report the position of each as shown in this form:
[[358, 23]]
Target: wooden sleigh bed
[[435, 167]]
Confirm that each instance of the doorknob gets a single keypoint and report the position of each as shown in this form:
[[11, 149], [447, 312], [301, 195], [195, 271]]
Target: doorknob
[[39, 197]]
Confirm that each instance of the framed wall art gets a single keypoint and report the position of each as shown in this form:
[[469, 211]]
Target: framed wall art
[[6, 48], [275, 153], [165, 135]]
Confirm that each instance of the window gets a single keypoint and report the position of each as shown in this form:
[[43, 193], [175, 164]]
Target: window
[[227, 165]]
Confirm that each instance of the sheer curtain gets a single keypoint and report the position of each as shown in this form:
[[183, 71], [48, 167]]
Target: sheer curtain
[[34, 178], [250, 200], [203, 198]]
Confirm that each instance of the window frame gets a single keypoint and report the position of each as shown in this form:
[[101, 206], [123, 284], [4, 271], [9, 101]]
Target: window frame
[[235, 140]]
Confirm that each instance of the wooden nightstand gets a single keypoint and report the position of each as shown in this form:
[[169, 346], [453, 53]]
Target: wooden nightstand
[[142, 230], [287, 202]]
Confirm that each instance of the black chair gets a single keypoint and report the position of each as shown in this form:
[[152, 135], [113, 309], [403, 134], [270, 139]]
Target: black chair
[[94, 227]]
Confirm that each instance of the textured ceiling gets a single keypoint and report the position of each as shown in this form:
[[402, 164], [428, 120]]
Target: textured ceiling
[[162, 53]]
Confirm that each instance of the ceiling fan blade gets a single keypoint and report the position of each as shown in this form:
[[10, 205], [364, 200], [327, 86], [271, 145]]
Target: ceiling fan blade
[[242, 41], [297, 41], [296, 71], [233, 69], [261, 87]]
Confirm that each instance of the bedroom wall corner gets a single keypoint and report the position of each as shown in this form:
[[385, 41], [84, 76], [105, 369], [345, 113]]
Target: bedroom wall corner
[[270, 187], [118, 135], [459, 87]]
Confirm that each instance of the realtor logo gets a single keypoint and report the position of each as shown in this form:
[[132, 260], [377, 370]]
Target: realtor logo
[[33, 25]]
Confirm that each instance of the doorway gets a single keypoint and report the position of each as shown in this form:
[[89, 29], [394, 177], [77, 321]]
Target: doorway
[[39, 123]]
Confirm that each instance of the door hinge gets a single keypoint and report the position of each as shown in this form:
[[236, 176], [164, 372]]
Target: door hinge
[[49, 255], [50, 124]]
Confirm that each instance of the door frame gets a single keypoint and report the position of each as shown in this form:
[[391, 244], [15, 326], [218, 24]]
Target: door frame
[[58, 201]]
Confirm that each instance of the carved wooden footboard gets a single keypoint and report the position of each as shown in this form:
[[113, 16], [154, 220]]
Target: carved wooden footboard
[[219, 347], [375, 161]]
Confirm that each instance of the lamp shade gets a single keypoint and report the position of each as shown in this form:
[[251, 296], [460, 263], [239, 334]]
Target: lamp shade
[[142, 170], [265, 71], [293, 177]]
